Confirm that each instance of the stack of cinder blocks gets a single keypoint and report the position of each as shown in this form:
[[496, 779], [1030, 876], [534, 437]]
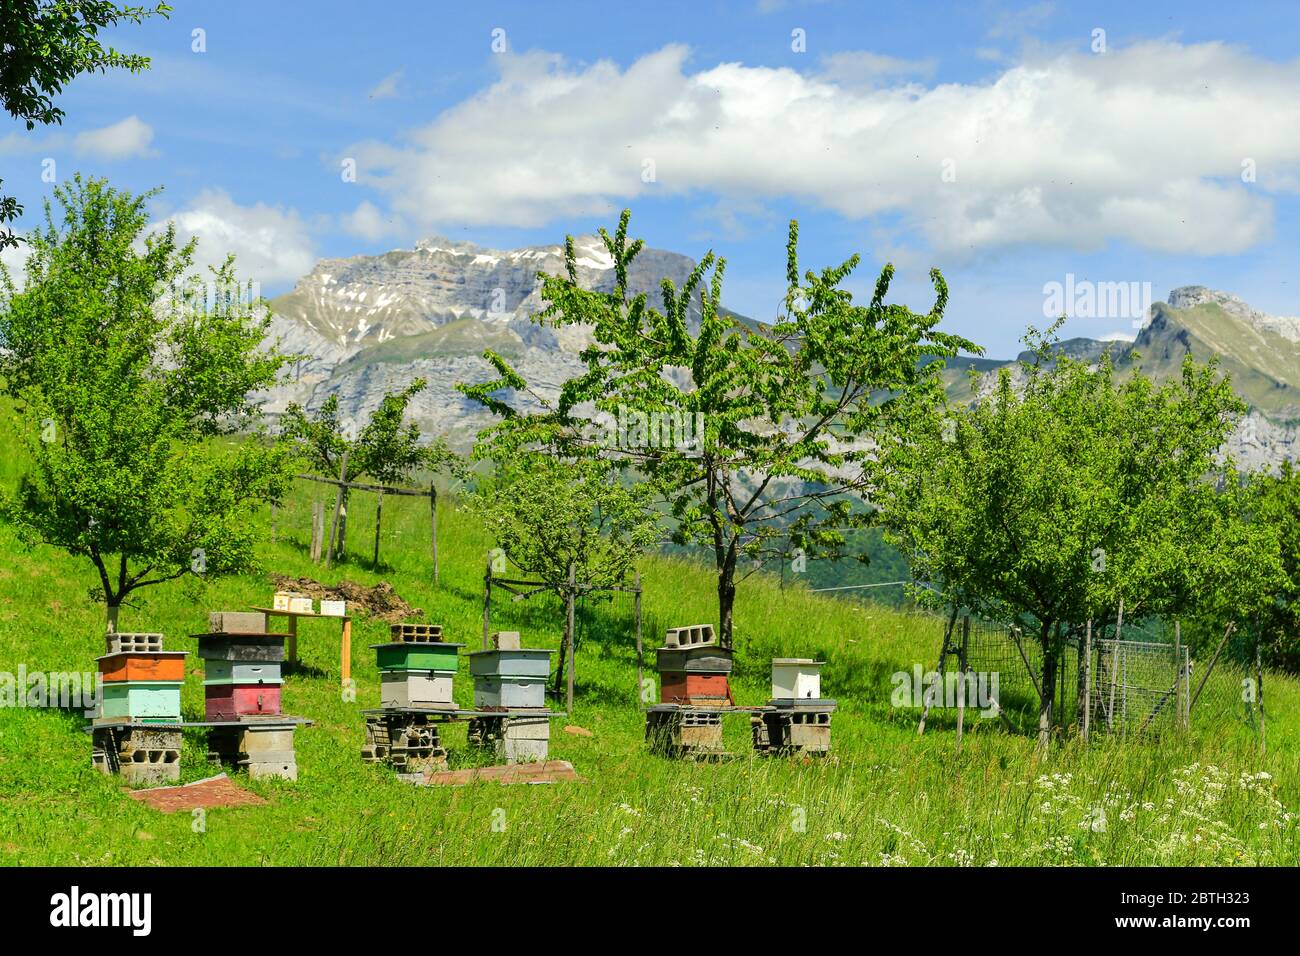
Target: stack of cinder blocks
[[799, 718], [511, 679], [416, 670], [141, 687], [241, 689], [694, 667]]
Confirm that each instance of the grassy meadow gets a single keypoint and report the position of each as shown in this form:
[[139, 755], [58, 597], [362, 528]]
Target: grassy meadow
[[886, 797]]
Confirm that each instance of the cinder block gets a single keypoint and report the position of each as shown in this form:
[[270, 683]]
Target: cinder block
[[133, 643], [237, 622], [691, 635], [515, 750], [526, 728], [262, 740], [506, 640], [415, 633], [287, 770], [151, 774]]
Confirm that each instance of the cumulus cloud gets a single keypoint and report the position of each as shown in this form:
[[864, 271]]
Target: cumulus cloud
[[368, 222], [121, 140], [271, 244], [1142, 145]]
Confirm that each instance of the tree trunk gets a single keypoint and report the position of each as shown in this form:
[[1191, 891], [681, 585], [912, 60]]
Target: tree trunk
[[111, 617], [1048, 689], [726, 596]]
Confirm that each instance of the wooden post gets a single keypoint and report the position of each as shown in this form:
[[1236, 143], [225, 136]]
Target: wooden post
[[568, 630], [338, 509], [379, 514], [961, 679], [433, 522], [1087, 679], [273, 517], [640, 676], [293, 640], [487, 601], [317, 529], [345, 651]]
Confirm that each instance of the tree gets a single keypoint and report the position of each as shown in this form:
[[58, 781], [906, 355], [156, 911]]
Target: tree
[[382, 449], [124, 377], [1276, 500], [46, 43], [1055, 497], [757, 438]]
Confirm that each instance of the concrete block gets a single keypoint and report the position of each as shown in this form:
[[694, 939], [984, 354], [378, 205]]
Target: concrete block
[[691, 635], [506, 641], [237, 622], [514, 750], [261, 740], [151, 774], [415, 633], [287, 770], [133, 643], [526, 728]]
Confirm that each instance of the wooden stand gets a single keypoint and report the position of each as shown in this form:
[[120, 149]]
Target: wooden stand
[[345, 641]]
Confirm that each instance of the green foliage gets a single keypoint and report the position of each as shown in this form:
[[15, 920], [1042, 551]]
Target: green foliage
[[548, 515], [1278, 506], [124, 379], [786, 412], [382, 449], [47, 43], [1062, 493]]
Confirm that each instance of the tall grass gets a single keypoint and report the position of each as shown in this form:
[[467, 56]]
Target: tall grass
[[886, 796]]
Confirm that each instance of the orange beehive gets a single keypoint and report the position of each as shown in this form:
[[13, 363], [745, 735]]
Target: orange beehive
[[149, 666]]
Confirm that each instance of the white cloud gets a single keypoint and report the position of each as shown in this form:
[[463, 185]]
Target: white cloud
[[1143, 145], [387, 87], [121, 140], [271, 244], [1118, 337], [368, 222], [14, 258]]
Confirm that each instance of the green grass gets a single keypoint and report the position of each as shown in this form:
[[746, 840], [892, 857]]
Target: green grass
[[886, 796]]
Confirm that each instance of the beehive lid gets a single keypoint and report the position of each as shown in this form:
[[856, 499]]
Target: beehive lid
[[143, 654], [416, 645], [801, 661]]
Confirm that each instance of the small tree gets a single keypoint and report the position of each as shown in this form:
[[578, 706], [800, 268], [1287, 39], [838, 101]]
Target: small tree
[[1049, 502], [46, 43], [123, 381], [757, 438], [384, 449]]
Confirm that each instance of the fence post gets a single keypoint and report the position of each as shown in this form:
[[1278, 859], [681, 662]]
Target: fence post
[[487, 601], [1259, 687], [433, 522], [338, 510], [961, 679], [640, 675], [1087, 679], [379, 514], [568, 629]]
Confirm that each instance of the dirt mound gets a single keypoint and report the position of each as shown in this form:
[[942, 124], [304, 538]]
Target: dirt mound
[[378, 601], [218, 791]]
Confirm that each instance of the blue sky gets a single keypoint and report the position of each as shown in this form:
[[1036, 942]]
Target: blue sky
[[1008, 144]]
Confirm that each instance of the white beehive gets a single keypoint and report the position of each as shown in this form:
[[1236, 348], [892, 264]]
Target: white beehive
[[300, 605], [796, 678], [333, 608]]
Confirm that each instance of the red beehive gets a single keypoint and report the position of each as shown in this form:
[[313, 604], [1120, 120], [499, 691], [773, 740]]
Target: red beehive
[[237, 701], [689, 687]]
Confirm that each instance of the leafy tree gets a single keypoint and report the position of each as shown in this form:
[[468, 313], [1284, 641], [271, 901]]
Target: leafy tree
[[124, 380], [46, 43], [1057, 495], [383, 449], [769, 428], [1277, 504]]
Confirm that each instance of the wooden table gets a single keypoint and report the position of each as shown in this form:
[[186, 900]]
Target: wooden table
[[345, 653]]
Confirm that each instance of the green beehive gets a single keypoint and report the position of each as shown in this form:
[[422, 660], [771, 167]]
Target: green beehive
[[433, 656], [155, 702]]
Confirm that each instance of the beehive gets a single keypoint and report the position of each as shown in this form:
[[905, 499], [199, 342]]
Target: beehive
[[242, 672], [685, 687], [422, 656], [143, 666], [152, 702], [508, 678], [240, 701], [415, 688], [796, 678]]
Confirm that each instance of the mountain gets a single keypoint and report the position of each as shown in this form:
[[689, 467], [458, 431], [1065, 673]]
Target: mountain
[[1260, 352], [367, 325]]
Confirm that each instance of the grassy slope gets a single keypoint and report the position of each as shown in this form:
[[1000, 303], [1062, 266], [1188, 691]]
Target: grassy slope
[[886, 797]]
